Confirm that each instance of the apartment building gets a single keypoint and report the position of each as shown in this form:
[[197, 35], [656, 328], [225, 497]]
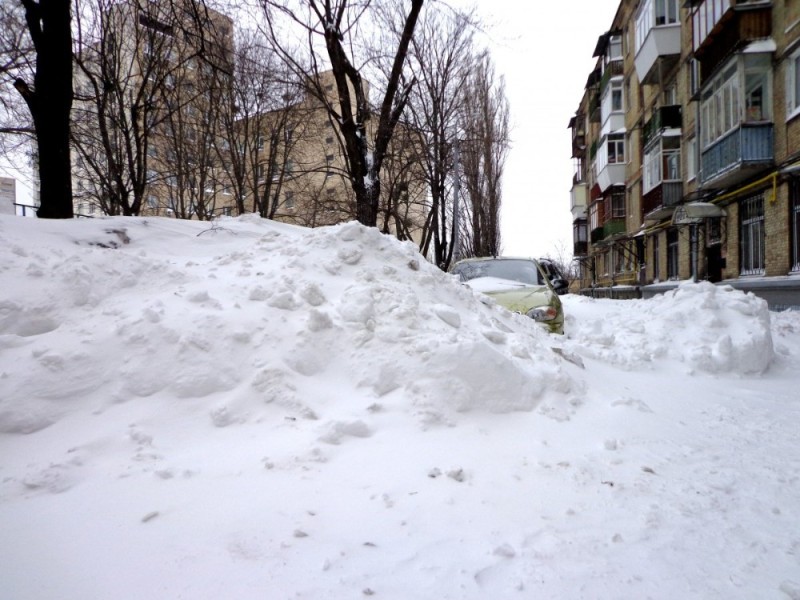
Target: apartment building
[[184, 130], [687, 150], [153, 79], [300, 173]]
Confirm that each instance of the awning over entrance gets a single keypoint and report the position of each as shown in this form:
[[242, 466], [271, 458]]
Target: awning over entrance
[[694, 212]]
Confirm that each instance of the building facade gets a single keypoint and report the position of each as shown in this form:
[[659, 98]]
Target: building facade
[[687, 150], [153, 83], [300, 169]]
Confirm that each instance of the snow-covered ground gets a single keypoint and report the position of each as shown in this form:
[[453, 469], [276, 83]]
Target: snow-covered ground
[[256, 411]]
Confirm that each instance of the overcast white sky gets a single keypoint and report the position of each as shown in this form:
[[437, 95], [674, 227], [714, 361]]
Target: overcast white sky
[[544, 49]]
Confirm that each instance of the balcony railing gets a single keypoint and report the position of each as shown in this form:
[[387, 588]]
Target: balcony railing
[[594, 108], [744, 146], [666, 117], [613, 69], [613, 226], [609, 228], [666, 195]]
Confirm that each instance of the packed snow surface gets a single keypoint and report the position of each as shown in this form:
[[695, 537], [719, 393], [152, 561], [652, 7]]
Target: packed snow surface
[[249, 410]]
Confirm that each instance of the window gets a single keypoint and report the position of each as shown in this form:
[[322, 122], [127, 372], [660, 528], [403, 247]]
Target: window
[[671, 157], [754, 91], [289, 198], [793, 85], [691, 159], [794, 201], [619, 259], [329, 139], [614, 48], [741, 93], [720, 106], [694, 76], [751, 244], [618, 204], [152, 201], [672, 253], [656, 262], [616, 96], [289, 133], [713, 232], [616, 148], [654, 13], [594, 216]]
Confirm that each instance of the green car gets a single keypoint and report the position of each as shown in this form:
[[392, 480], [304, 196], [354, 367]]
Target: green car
[[518, 284]]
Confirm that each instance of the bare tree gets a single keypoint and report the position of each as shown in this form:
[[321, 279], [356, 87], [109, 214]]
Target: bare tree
[[149, 90], [486, 131], [338, 27], [442, 58], [123, 65], [16, 56], [48, 97]]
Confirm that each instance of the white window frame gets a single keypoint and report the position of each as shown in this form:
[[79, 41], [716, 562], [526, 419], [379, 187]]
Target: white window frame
[[618, 140], [660, 164], [653, 10], [691, 159], [720, 107], [793, 85]]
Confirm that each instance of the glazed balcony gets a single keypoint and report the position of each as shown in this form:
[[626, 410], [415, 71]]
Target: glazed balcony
[[665, 117], [720, 26], [578, 200], [611, 227], [658, 39], [737, 154], [661, 201], [611, 174]]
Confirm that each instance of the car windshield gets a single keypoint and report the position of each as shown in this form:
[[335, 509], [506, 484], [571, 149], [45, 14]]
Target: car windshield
[[524, 271]]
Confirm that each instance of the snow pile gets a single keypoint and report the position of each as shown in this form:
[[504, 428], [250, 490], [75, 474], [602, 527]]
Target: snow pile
[[252, 410], [113, 316], [712, 329]]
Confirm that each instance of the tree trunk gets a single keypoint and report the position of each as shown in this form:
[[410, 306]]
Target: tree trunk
[[50, 103]]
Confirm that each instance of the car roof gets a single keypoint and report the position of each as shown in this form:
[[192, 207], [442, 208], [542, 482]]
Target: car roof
[[486, 258]]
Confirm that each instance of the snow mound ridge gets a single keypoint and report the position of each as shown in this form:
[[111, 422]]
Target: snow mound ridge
[[252, 310], [710, 328]]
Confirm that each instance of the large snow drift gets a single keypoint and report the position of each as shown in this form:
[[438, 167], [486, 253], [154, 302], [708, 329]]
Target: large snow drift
[[253, 410]]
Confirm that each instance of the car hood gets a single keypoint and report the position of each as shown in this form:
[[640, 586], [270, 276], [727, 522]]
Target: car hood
[[514, 295]]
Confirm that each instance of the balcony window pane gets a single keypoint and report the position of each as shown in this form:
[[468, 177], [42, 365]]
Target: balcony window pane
[[616, 96], [661, 12], [755, 85]]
